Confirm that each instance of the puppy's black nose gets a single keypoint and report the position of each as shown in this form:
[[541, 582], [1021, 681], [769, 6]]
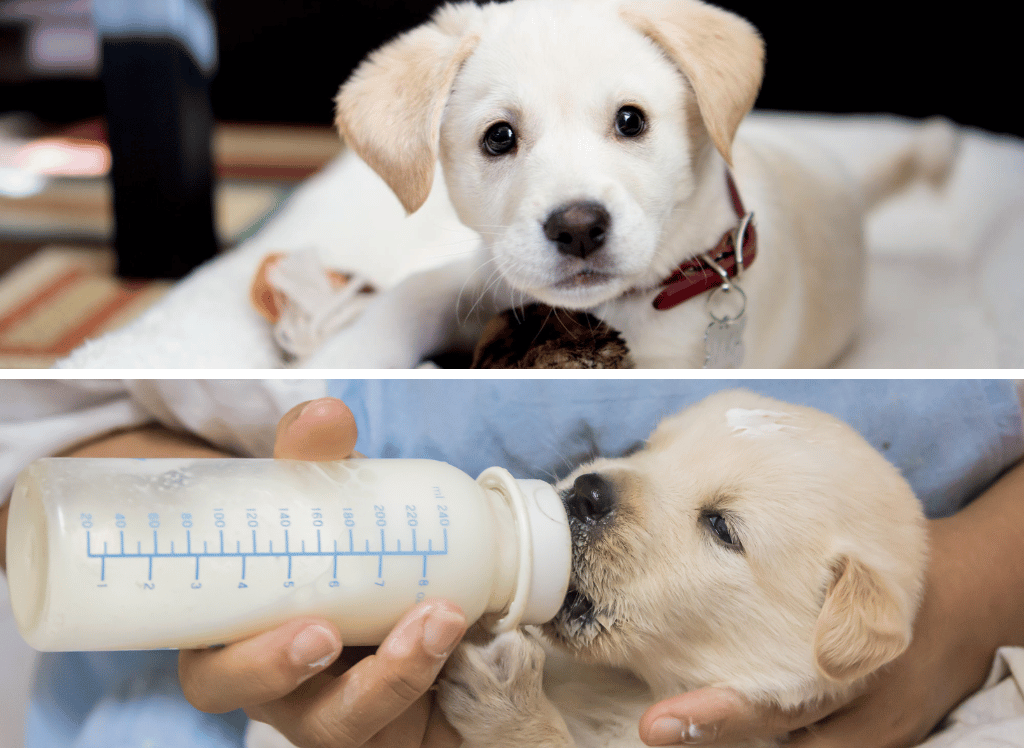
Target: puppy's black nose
[[591, 498], [578, 229]]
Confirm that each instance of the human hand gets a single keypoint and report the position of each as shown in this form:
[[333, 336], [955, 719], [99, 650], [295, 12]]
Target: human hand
[[974, 596], [898, 706], [297, 678]]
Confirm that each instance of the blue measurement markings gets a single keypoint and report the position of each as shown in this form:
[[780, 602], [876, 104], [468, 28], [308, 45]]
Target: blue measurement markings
[[335, 552]]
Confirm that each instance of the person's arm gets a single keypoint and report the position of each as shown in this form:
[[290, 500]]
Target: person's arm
[[973, 604]]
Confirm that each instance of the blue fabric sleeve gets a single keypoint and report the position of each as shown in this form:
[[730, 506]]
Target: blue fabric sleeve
[[106, 699], [950, 438]]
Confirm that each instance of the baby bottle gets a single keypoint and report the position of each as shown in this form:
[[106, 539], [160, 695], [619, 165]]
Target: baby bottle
[[184, 553]]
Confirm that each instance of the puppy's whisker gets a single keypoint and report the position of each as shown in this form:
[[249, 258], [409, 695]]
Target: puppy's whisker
[[456, 255], [490, 227], [488, 235], [462, 319], [552, 449], [493, 278], [515, 314], [523, 302]]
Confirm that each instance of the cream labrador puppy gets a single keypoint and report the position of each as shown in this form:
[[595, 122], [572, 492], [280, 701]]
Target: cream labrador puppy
[[593, 146], [752, 545]]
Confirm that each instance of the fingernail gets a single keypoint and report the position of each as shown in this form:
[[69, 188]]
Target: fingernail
[[441, 632], [315, 647], [319, 407], [666, 731], [670, 731], [700, 734]]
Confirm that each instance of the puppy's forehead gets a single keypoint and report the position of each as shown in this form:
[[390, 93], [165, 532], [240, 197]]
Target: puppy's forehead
[[740, 430], [747, 416], [754, 423], [533, 54]]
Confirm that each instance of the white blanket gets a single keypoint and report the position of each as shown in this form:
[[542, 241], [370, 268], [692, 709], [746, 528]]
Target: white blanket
[[995, 715], [944, 287]]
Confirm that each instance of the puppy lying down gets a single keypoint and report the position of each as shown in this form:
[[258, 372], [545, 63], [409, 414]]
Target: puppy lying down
[[753, 544], [595, 147]]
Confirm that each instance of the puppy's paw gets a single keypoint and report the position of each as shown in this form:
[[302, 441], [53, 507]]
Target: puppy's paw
[[362, 345], [490, 693], [503, 674]]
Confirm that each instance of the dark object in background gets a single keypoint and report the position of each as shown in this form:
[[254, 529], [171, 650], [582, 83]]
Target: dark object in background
[[160, 126], [540, 337], [283, 60], [280, 61]]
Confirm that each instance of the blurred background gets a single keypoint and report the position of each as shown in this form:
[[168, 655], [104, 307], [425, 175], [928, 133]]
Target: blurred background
[[138, 138]]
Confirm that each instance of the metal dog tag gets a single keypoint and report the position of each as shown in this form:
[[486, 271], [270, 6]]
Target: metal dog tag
[[723, 344], [723, 339]]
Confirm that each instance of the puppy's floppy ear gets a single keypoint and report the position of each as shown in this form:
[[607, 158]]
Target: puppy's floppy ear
[[720, 53], [389, 110], [862, 624]]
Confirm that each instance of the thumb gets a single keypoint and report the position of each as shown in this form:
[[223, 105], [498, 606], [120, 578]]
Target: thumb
[[322, 429], [710, 716]]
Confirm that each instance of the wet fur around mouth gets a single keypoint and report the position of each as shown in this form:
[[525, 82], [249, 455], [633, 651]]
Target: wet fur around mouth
[[577, 614], [580, 621], [576, 624]]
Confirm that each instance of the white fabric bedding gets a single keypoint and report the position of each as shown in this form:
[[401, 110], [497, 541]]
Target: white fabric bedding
[[992, 717], [944, 288]]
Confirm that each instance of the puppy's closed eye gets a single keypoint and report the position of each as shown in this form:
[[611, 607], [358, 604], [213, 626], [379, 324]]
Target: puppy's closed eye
[[719, 524]]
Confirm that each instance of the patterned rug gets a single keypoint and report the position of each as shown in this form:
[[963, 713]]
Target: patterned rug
[[60, 297], [76, 209], [257, 166], [64, 294]]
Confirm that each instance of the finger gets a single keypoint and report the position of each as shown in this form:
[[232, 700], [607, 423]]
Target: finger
[[866, 722], [719, 715], [349, 710], [420, 726], [407, 730], [439, 733], [323, 429], [259, 669]]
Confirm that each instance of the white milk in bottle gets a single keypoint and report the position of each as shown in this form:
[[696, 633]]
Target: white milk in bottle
[[182, 553]]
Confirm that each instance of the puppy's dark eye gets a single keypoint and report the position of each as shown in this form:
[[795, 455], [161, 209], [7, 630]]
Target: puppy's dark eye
[[721, 529], [499, 139], [629, 122]]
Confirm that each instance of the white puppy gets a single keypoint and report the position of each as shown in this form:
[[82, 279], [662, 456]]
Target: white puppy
[[752, 545], [588, 142]]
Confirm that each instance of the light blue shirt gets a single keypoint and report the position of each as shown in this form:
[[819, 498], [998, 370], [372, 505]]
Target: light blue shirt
[[949, 438]]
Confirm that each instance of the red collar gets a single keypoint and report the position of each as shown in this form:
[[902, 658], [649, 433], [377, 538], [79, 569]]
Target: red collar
[[696, 275]]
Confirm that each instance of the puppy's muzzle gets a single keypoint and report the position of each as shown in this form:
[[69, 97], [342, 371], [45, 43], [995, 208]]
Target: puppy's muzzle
[[578, 229], [591, 498]]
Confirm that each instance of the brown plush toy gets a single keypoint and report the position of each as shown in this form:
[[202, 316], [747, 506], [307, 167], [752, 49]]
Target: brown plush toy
[[541, 337]]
